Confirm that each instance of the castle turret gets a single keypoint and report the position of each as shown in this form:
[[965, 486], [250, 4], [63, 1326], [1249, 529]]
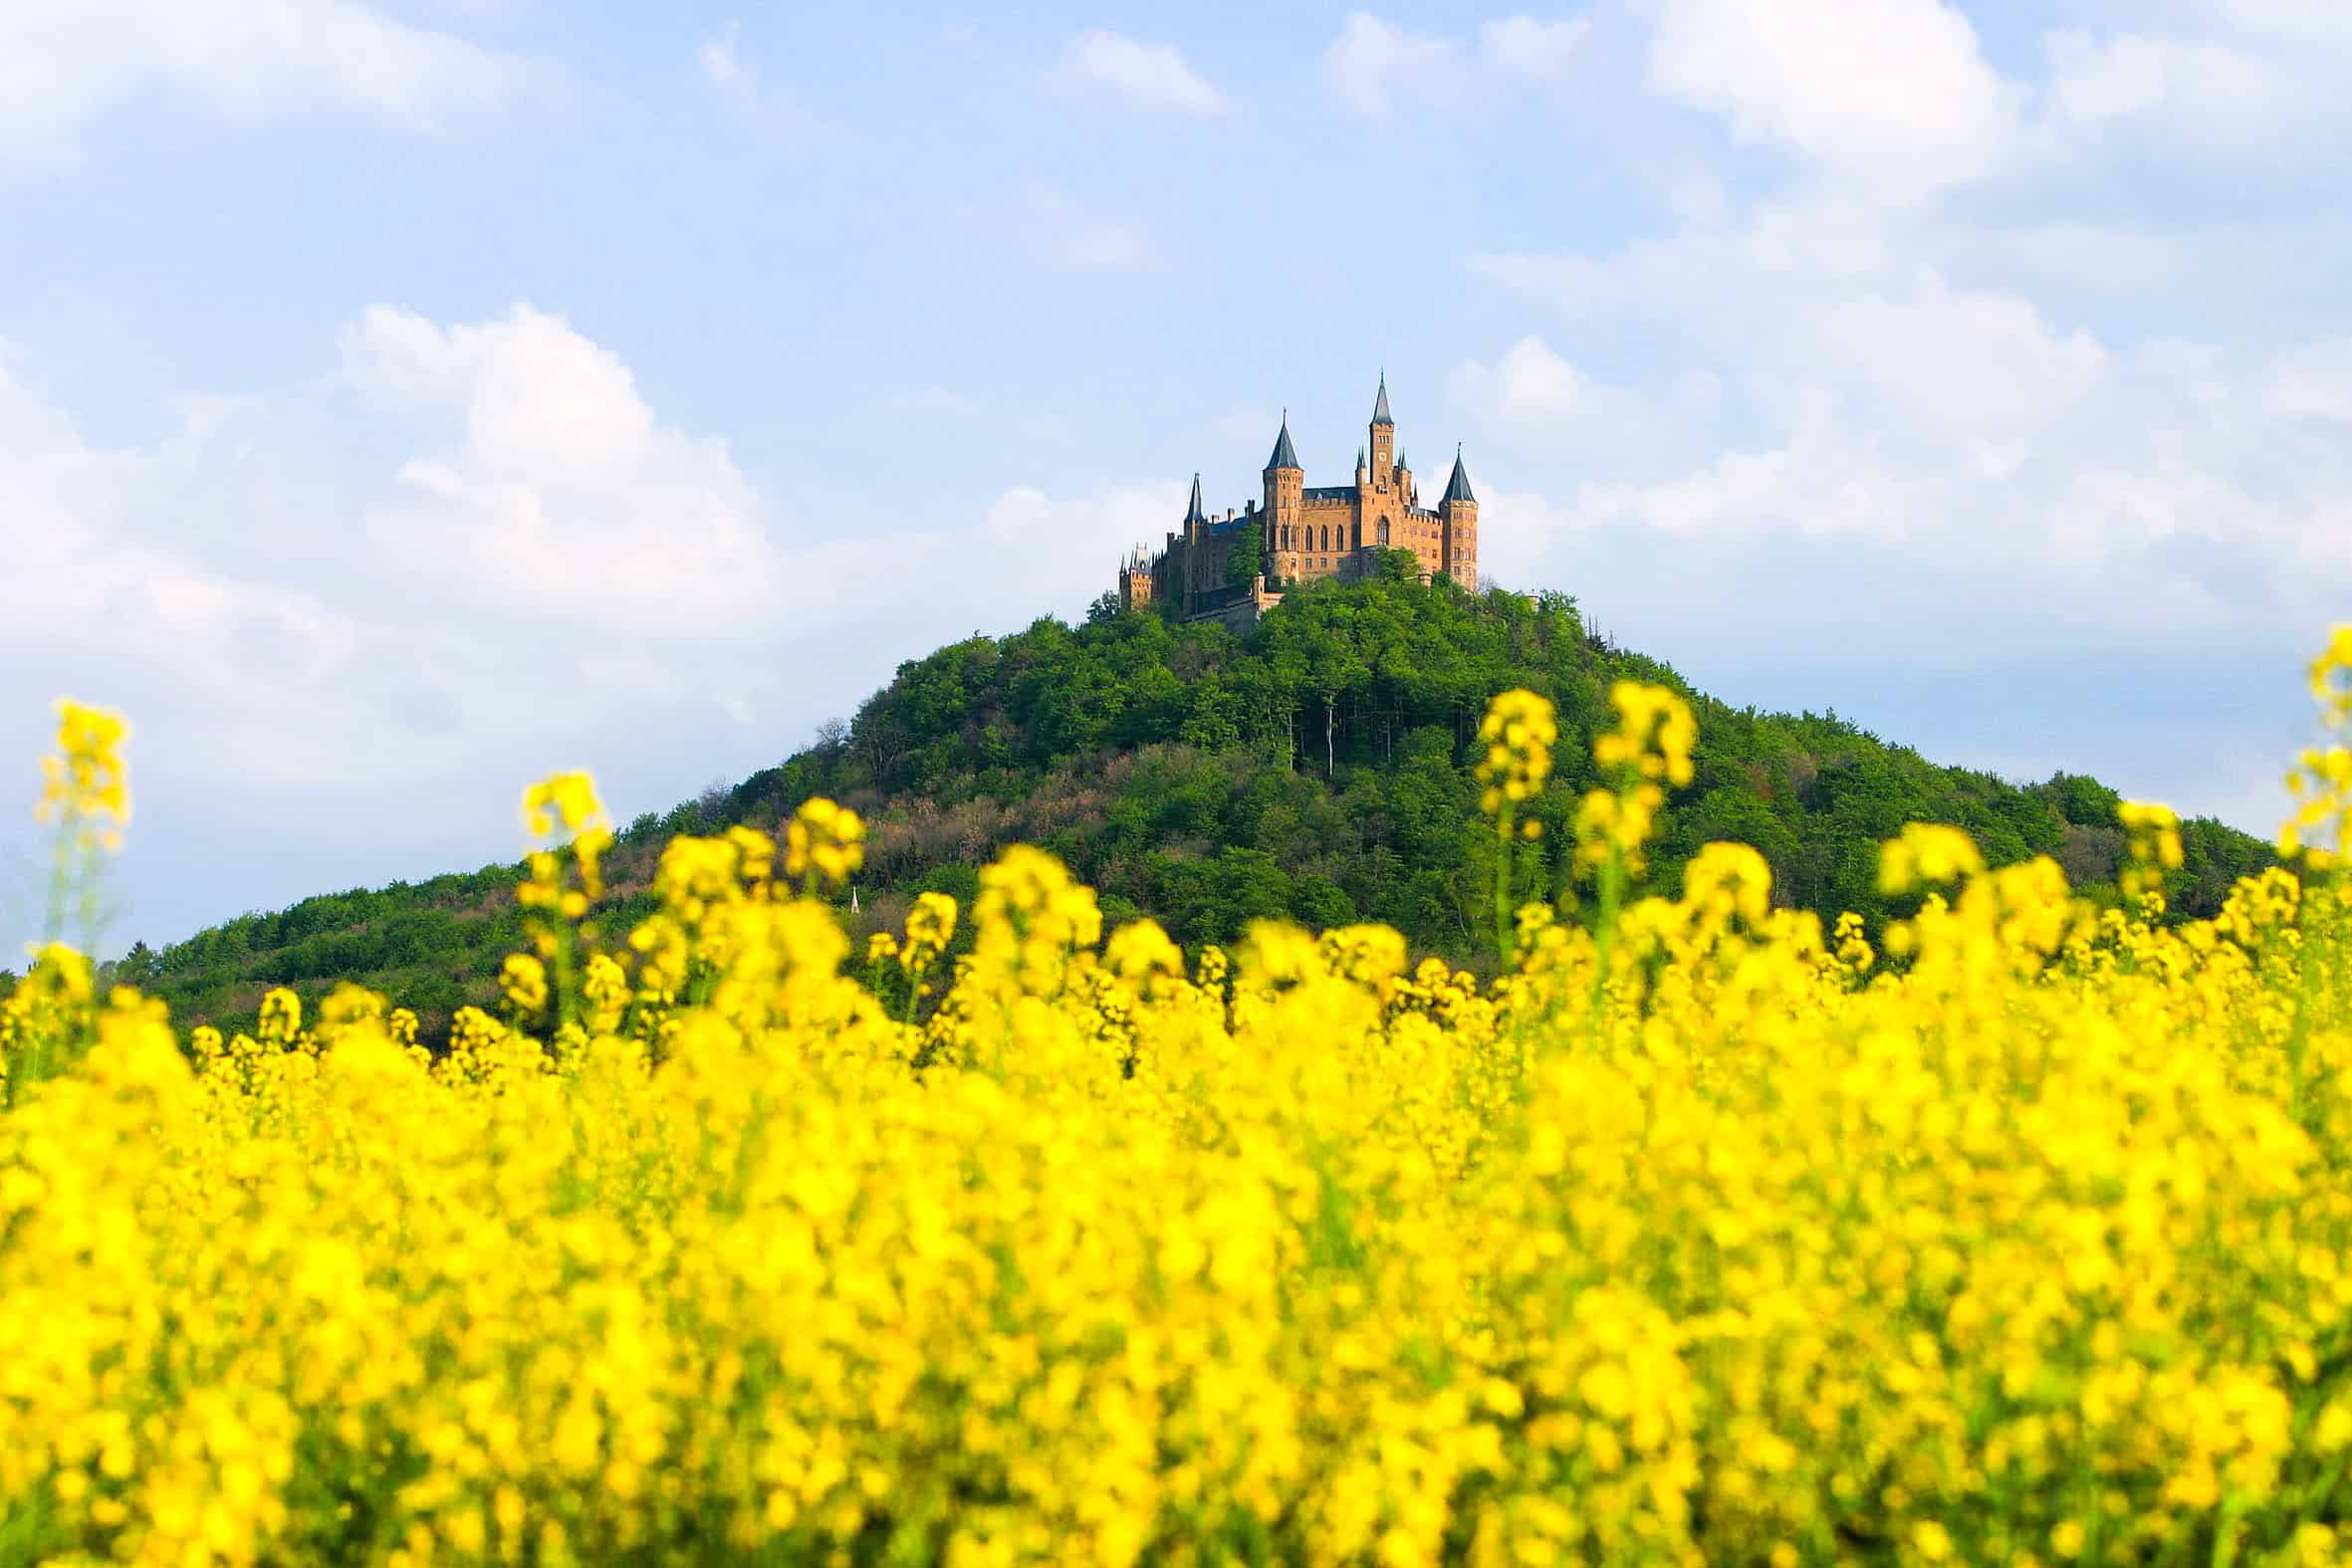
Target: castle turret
[[1285, 489], [1135, 579], [1196, 543], [1285, 456], [1383, 441], [1458, 513]]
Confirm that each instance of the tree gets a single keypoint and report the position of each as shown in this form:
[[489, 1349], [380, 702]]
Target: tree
[[710, 806], [1247, 558], [877, 739], [139, 967], [1334, 670], [2084, 800]]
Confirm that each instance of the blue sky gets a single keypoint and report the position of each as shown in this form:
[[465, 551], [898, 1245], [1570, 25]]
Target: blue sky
[[399, 401]]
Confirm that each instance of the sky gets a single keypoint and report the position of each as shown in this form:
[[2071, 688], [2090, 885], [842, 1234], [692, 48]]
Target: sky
[[403, 400]]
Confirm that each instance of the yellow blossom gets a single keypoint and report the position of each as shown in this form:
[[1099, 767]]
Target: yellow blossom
[[1696, 1237], [824, 844]]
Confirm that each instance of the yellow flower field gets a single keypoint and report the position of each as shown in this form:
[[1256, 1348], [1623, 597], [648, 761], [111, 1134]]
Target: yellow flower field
[[1702, 1236]]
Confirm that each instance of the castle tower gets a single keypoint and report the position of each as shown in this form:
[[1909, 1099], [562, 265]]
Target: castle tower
[[1135, 580], [1383, 441], [1285, 495], [1196, 543], [1459, 515]]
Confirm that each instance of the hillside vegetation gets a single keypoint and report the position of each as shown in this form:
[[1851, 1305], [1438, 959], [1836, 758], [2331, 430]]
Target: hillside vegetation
[[1318, 768]]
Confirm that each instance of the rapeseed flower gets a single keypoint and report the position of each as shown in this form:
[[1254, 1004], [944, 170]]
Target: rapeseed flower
[[1696, 1235], [825, 845], [1517, 734], [85, 785], [2151, 835]]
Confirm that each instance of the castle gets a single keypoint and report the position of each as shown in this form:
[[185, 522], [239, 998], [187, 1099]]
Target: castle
[[1300, 535]]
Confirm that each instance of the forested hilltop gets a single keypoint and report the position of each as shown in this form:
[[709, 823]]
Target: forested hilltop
[[1316, 769]]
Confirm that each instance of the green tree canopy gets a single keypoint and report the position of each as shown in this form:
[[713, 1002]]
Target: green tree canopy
[[1317, 766], [1247, 556]]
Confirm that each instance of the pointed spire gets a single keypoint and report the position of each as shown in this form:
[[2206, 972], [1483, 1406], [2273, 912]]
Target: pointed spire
[[1196, 513], [1458, 487], [1380, 415], [1359, 457], [1285, 454]]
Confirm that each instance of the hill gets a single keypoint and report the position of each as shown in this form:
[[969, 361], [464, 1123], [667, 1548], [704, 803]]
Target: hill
[[1312, 768]]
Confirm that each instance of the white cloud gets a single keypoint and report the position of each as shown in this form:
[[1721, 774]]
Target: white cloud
[[62, 62], [1815, 239], [1955, 366], [1534, 397], [1151, 76], [1889, 404], [2294, 21], [1814, 283], [1820, 481], [550, 533], [1069, 545], [1948, 433], [1827, 534], [1531, 383], [1375, 64], [473, 553], [2106, 258], [1529, 48], [2112, 79], [2314, 384], [761, 111], [1891, 95], [1371, 60], [561, 493], [111, 593]]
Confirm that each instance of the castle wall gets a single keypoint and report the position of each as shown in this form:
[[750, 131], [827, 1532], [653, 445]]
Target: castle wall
[[1243, 608], [1320, 539]]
